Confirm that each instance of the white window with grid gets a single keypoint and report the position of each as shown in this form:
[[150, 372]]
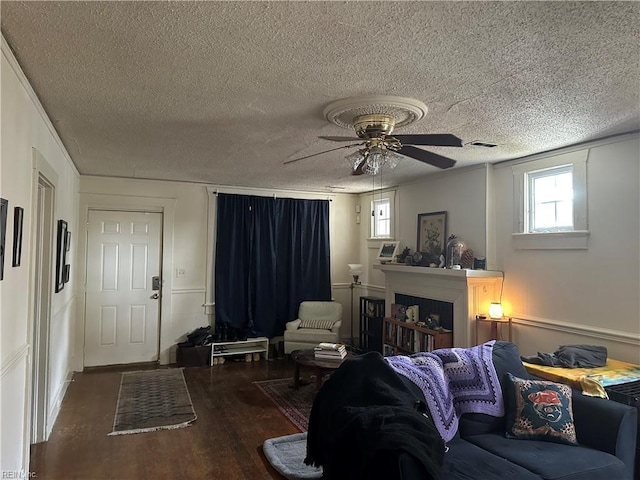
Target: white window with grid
[[381, 218], [551, 202]]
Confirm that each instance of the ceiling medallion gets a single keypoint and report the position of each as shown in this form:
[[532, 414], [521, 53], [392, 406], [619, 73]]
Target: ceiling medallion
[[375, 112], [373, 119]]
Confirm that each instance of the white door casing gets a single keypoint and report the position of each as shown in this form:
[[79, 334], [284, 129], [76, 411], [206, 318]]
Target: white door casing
[[122, 315], [43, 286]]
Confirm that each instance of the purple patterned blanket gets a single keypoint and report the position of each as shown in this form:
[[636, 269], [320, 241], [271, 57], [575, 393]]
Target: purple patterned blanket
[[454, 381]]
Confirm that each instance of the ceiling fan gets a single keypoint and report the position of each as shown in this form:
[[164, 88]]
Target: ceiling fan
[[374, 119]]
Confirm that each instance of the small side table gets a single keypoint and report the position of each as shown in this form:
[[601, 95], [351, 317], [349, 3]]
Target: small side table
[[494, 326], [306, 358]]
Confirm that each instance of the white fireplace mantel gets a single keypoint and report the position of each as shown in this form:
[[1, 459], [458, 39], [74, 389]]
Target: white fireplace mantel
[[470, 292]]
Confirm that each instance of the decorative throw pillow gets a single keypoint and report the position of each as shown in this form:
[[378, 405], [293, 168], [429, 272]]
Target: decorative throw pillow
[[320, 324], [539, 410]]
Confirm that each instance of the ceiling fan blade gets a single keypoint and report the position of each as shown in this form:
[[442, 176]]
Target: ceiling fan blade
[[320, 153], [433, 139], [427, 157], [339, 139]]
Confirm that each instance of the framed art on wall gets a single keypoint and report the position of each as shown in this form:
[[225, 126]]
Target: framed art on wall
[[4, 206], [18, 218], [432, 235], [61, 254]]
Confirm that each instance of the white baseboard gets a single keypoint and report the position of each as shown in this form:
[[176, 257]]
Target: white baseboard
[[55, 405]]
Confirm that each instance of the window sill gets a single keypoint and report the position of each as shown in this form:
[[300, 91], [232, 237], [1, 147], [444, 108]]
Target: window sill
[[576, 240], [376, 242]]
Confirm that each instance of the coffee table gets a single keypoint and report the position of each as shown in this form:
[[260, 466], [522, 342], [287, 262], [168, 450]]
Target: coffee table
[[306, 358]]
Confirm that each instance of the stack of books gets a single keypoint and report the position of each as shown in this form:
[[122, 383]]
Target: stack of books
[[330, 351]]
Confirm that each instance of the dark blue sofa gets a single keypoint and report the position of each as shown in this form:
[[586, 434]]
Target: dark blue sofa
[[606, 431], [368, 422]]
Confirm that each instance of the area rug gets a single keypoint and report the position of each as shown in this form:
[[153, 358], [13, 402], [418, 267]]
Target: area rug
[[293, 404], [152, 400]]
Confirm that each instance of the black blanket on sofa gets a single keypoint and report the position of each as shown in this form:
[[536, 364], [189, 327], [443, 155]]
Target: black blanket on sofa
[[367, 423]]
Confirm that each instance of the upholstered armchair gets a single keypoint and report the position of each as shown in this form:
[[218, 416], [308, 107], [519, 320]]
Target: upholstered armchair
[[317, 322]]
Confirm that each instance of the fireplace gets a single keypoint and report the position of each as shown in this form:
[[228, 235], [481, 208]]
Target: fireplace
[[469, 292]]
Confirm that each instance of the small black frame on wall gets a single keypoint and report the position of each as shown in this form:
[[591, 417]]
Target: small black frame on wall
[[61, 254], [4, 206], [18, 218]]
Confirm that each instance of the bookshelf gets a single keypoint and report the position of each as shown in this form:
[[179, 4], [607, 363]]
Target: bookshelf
[[405, 338], [371, 315]]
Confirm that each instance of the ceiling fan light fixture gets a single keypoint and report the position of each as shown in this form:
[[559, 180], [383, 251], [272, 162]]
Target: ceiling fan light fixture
[[355, 159], [393, 159], [373, 158], [372, 167], [374, 161]]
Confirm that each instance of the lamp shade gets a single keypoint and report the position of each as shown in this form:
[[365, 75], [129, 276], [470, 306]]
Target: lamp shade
[[355, 268], [495, 310]]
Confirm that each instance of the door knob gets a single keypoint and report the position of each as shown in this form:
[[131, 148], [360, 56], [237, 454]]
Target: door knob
[[155, 296]]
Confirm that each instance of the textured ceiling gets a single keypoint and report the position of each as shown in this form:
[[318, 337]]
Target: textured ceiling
[[225, 92]]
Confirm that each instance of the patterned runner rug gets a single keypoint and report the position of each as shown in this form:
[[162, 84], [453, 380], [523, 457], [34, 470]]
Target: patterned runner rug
[[293, 404], [152, 400]]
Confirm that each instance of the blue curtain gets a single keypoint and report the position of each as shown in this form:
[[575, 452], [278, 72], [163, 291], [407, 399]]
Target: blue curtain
[[271, 254]]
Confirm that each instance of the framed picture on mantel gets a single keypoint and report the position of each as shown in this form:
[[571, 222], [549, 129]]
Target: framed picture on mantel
[[432, 235]]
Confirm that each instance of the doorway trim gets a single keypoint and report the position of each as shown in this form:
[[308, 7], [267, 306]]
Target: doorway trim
[[127, 203], [40, 299]]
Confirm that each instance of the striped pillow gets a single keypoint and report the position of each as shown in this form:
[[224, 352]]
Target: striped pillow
[[318, 324]]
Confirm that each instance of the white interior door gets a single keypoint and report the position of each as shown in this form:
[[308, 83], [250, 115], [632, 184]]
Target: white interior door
[[122, 309]]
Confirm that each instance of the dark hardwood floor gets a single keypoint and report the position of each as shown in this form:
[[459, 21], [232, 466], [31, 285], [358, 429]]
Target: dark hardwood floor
[[225, 442]]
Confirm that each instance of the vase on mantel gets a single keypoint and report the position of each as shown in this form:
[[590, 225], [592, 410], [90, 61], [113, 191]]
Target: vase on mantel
[[454, 251]]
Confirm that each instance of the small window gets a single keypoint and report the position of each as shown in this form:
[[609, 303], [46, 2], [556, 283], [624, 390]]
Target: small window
[[381, 218], [550, 200]]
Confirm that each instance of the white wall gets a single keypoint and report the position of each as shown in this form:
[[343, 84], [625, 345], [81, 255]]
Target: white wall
[[344, 233], [461, 193], [580, 296], [184, 206], [186, 247], [555, 296], [24, 127]]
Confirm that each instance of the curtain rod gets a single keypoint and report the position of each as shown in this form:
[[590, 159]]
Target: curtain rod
[[216, 192]]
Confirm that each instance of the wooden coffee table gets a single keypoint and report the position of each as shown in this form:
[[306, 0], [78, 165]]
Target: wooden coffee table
[[306, 358]]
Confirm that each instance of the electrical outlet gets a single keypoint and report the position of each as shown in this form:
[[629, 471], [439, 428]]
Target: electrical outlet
[[181, 272]]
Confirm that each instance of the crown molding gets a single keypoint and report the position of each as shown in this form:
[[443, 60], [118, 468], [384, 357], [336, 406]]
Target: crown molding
[[24, 81]]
